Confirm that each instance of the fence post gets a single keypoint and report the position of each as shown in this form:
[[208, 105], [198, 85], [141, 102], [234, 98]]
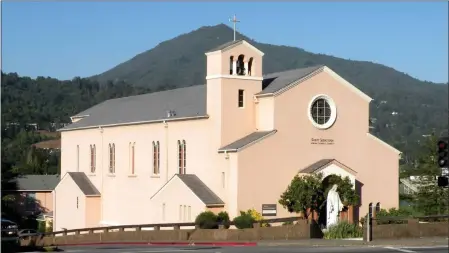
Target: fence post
[[369, 232]]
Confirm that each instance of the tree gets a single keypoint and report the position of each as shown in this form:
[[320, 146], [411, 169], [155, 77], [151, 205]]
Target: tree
[[430, 199], [304, 194], [307, 193]]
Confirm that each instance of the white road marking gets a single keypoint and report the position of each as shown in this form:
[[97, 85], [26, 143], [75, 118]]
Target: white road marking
[[427, 247], [400, 249], [161, 251]]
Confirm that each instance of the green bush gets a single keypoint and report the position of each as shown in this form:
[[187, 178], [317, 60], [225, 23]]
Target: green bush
[[41, 226], [50, 227], [343, 230], [207, 220], [287, 223], [223, 219], [245, 220]]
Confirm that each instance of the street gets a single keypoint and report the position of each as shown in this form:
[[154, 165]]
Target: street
[[257, 249]]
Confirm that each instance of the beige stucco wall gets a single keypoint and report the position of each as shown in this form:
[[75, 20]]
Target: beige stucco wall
[[118, 206], [45, 200], [261, 181], [168, 206], [257, 175], [93, 208], [66, 213]]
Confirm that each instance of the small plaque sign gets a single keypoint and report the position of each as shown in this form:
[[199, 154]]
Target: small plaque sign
[[269, 209], [322, 141]]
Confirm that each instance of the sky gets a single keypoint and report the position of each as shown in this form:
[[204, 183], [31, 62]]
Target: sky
[[84, 38]]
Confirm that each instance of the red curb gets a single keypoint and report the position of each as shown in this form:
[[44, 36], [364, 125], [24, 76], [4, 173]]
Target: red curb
[[166, 243]]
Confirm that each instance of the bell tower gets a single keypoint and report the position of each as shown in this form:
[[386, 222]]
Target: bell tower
[[234, 76]]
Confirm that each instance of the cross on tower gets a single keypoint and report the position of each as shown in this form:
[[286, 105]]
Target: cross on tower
[[234, 20]]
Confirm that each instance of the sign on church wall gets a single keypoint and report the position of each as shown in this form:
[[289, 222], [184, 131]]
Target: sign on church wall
[[322, 141], [269, 209]]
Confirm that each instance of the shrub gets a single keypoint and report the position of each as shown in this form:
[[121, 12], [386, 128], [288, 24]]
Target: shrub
[[343, 230], [258, 217], [245, 220], [206, 220], [223, 219], [41, 226], [49, 228], [287, 223]]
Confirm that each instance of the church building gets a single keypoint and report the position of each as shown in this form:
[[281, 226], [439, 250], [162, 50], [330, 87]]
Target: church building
[[232, 144]]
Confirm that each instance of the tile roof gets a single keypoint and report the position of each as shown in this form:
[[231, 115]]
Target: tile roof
[[316, 166], [49, 144], [247, 140], [226, 45], [37, 182], [84, 183], [200, 189], [276, 81], [185, 102]]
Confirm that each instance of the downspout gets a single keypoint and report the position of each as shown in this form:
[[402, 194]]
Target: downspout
[[166, 150], [102, 175], [54, 210]]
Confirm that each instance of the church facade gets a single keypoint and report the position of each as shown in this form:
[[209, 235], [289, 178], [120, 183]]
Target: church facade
[[232, 144]]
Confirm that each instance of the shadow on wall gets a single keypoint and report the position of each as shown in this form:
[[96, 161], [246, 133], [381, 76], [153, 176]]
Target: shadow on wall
[[358, 190]]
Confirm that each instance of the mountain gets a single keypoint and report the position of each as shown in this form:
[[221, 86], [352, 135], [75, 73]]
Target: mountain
[[404, 108]]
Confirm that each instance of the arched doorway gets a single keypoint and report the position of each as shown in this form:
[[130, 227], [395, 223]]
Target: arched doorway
[[327, 183]]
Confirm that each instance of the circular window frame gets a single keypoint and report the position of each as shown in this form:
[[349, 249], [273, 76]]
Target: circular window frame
[[333, 108]]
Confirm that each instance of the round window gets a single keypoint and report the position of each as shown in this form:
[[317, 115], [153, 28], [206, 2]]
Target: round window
[[322, 112]]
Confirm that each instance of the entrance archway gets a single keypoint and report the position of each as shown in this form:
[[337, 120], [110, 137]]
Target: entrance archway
[[327, 184]]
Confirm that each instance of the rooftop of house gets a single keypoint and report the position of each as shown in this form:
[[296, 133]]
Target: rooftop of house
[[49, 144], [37, 182]]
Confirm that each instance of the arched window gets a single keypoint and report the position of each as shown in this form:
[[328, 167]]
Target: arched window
[[132, 157], [77, 158], [156, 158], [112, 158], [250, 65], [184, 154], [378, 207], [92, 158], [241, 65], [181, 157], [231, 65]]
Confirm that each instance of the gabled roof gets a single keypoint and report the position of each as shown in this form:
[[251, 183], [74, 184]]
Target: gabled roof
[[277, 81], [185, 102], [228, 45], [321, 164], [200, 189], [48, 144], [37, 182], [225, 45], [84, 183], [246, 141]]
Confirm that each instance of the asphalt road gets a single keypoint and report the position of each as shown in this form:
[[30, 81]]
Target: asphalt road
[[258, 249]]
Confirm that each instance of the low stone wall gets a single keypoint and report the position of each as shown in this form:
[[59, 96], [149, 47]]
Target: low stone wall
[[301, 230], [410, 229]]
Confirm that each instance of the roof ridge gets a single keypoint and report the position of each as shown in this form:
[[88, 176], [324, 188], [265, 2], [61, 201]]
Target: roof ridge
[[295, 69]]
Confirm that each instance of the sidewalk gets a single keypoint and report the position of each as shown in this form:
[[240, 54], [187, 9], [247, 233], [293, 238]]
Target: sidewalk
[[409, 242]]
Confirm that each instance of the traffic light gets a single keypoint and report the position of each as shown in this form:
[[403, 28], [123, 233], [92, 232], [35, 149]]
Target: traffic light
[[443, 181], [442, 152]]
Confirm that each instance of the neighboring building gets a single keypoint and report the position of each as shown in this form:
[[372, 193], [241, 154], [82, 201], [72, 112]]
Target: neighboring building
[[54, 144], [35, 193], [407, 186], [232, 144]]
